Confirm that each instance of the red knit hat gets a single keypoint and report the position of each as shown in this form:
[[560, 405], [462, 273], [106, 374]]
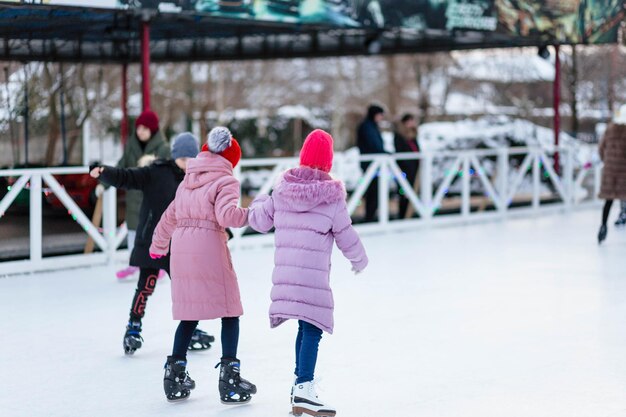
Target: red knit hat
[[317, 151], [232, 153], [149, 119]]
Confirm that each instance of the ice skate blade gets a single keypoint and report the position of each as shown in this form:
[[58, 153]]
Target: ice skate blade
[[178, 400], [235, 402], [298, 411], [194, 348]]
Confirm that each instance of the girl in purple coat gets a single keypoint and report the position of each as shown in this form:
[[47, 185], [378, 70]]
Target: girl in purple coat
[[308, 211]]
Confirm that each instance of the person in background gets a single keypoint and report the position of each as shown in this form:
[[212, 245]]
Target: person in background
[[158, 180], [613, 153], [147, 140], [370, 141], [405, 140], [621, 220]]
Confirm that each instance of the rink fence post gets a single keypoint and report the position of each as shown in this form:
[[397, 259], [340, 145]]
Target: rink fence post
[[503, 179], [109, 222], [35, 220], [426, 185], [536, 178], [570, 184], [465, 186], [383, 191]]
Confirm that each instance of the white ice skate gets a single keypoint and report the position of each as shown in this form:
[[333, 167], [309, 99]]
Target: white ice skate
[[305, 401]]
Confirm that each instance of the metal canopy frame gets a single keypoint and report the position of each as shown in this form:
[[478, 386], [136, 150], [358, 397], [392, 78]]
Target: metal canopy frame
[[77, 34]]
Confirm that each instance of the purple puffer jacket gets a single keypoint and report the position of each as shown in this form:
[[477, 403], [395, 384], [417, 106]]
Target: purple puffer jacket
[[308, 209]]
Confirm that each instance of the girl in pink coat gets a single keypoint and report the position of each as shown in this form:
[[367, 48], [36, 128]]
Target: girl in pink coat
[[308, 210], [204, 283]]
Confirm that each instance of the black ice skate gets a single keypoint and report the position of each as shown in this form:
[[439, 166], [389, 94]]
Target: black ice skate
[[233, 388], [621, 220], [602, 234], [176, 382], [200, 340], [132, 337], [305, 401]]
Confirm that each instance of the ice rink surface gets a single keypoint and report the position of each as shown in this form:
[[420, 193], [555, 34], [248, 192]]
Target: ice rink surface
[[518, 318]]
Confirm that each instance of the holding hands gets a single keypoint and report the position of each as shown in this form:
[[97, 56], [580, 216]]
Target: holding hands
[[96, 171]]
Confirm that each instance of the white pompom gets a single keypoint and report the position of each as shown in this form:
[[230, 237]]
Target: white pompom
[[219, 139]]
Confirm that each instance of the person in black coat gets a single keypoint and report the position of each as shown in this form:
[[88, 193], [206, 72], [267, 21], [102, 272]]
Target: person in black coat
[[158, 180], [370, 141], [405, 140]]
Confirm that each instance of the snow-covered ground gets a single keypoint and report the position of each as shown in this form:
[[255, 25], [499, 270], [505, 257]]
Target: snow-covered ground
[[521, 318]]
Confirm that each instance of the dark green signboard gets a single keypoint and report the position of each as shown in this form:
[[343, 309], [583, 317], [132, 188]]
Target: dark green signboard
[[564, 21]]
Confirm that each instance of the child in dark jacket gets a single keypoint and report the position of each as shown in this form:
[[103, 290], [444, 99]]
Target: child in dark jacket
[[159, 182]]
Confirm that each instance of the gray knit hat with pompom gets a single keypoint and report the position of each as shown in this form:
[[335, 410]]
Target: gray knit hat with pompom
[[219, 139]]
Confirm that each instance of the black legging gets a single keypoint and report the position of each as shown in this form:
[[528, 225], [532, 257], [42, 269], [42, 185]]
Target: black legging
[[605, 211], [230, 338], [145, 288]]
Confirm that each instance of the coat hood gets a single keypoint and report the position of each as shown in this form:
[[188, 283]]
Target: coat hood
[[204, 168], [305, 188]]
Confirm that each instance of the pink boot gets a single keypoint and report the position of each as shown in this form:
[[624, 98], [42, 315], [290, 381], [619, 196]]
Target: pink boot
[[126, 272]]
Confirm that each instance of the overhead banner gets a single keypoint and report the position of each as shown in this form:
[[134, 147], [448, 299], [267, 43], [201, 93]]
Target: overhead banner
[[549, 21]]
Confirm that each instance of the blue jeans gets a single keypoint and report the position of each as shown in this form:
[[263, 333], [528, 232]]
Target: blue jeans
[[307, 343]]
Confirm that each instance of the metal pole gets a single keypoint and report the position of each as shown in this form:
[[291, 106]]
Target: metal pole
[[145, 63], [611, 80], [536, 178], [383, 193], [124, 127], [109, 219], [63, 132], [557, 100], [35, 218], [503, 178], [570, 184], [426, 184], [14, 144], [466, 184]]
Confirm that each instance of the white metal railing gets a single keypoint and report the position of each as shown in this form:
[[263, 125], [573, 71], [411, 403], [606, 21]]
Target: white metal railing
[[108, 240], [532, 183], [502, 186]]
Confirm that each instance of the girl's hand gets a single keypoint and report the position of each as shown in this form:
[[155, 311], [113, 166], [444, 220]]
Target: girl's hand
[[95, 173]]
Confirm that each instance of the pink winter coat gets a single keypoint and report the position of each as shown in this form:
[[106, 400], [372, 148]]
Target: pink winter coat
[[308, 210], [204, 283]]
